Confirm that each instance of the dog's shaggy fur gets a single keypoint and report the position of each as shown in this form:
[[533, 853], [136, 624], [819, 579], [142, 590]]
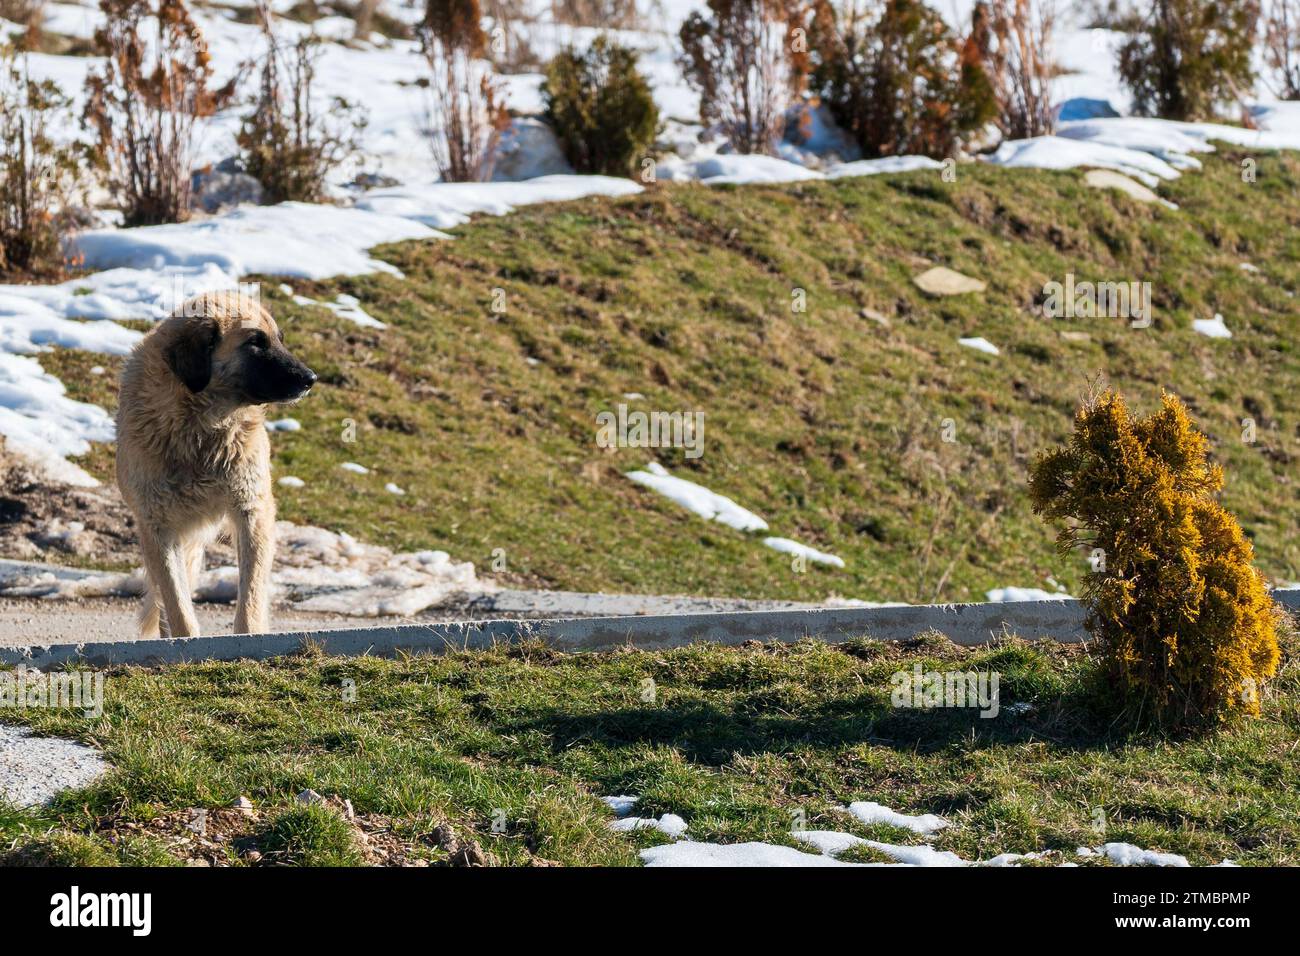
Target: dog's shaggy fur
[[193, 455]]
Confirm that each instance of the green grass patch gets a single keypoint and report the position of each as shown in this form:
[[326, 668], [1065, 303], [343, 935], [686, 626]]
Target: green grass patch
[[510, 749]]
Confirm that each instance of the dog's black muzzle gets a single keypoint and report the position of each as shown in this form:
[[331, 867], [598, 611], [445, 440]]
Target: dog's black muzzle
[[279, 377]]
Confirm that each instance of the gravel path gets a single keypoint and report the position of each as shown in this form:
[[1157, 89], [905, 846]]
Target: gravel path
[[41, 621], [34, 769]]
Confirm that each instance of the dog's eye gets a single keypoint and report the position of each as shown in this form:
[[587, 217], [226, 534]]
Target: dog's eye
[[259, 340]]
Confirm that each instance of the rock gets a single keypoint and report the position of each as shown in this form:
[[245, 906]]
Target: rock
[[1109, 179], [375, 181], [940, 280], [219, 187], [243, 805], [310, 798], [528, 148], [1071, 336], [253, 856], [877, 317]]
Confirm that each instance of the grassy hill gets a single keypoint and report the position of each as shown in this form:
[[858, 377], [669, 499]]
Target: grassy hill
[[827, 422]]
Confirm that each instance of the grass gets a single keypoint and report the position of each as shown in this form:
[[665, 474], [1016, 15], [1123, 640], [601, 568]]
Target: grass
[[510, 749], [827, 423]]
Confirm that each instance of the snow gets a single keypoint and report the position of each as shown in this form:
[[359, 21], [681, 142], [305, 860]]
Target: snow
[[394, 489], [353, 467], [669, 824], [690, 854], [980, 344], [889, 164], [1012, 594], [697, 499], [346, 306], [1059, 152], [621, 805], [789, 546], [289, 481], [1214, 327], [736, 168], [1126, 854], [445, 205], [40, 422], [291, 239], [871, 813], [315, 570], [284, 425]]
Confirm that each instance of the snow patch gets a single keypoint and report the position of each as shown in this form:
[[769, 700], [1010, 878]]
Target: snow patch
[[870, 813], [789, 546], [697, 498]]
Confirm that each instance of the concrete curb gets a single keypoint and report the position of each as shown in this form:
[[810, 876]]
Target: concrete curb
[[966, 624]]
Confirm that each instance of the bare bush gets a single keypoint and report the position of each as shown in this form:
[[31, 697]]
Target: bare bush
[[466, 114], [892, 75], [37, 175], [606, 14], [27, 13], [285, 144], [144, 105], [1282, 48], [1013, 40], [746, 59]]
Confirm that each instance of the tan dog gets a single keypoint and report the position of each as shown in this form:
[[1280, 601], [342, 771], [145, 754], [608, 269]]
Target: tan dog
[[192, 451]]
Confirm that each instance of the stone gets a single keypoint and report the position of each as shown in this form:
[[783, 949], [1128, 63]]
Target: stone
[[219, 187], [310, 798], [940, 280], [878, 317], [1109, 179]]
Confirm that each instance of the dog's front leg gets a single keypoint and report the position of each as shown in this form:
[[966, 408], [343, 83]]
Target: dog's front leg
[[165, 563], [255, 537]]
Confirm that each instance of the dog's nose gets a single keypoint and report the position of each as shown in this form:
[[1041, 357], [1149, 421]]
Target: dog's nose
[[311, 377]]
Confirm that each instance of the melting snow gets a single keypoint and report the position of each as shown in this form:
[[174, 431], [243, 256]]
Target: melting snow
[[789, 546], [670, 824], [1011, 594], [1214, 327], [697, 498], [979, 343], [871, 813]]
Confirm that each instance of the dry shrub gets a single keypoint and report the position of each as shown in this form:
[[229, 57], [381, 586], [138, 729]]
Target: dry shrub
[[466, 115], [1186, 625], [746, 59], [1012, 41], [27, 13], [507, 41], [144, 105], [285, 144], [1282, 48], [606, 14], [893, 75], [37, 175]]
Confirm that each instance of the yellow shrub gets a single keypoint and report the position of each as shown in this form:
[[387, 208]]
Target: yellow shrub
[[1184, 620]]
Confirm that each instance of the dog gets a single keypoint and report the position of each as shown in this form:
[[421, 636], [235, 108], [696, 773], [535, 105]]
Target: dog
[[193, 455]]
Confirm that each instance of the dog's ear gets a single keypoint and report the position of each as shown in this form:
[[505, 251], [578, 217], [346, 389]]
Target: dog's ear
[[190, 354]]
